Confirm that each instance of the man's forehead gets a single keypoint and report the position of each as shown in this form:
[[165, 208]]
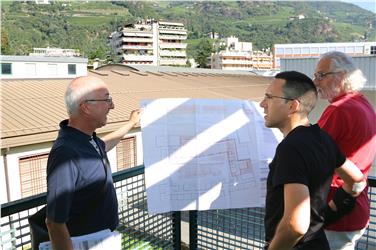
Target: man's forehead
[[323, 65], [275, 85]]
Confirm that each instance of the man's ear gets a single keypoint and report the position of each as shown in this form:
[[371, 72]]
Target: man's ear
[[294, 106], [84, 108]]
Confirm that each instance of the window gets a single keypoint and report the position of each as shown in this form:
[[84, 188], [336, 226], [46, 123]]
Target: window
[[126, 153], [350, 49], [71, 69], [341, 49], [296, 51], [6, 68], [279, 51], [314, 50], [305, 51], [33, 174], [373, 50], [288, 51], [323, 50]]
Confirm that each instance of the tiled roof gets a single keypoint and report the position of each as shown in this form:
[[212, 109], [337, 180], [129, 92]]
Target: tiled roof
[[32, 109]]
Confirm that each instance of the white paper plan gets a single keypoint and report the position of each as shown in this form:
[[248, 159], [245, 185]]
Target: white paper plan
[[204, 154]]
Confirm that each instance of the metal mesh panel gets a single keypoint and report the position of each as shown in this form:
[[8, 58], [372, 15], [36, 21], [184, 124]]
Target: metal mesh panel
[[140, 229], [231, 229], [244, 228], [368, 240]]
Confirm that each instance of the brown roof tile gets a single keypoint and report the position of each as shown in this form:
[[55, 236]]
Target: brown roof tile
[[32, 109]]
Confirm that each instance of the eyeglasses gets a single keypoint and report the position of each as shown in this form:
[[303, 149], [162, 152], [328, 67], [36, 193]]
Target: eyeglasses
[[320, 76], [108, 100], [270, 97]]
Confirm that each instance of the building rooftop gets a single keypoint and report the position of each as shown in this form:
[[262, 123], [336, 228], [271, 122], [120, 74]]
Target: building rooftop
[[33, 108], [72, 59]]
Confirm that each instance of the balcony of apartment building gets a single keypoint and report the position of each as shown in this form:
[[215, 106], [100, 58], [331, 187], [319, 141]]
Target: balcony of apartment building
[[173, 31], [137, 32], [236, 61], [137, 39], [162, 24], [136, 46], [169, 45], [173, 53], [173, 61], [172, 37], [138, 58]]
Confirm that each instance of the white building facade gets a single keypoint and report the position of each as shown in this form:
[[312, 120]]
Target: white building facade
[[239, 56], [151, 43], [17, 67], [300, 50]]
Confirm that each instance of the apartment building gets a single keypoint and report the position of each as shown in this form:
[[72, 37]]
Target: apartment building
[[300, 50], [239, 56], [151, 42]]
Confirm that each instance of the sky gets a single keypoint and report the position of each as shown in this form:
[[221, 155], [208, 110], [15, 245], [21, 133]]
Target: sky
[[368, 5]]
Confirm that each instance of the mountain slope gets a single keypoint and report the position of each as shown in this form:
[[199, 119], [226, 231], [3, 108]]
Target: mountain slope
[[86, 25]]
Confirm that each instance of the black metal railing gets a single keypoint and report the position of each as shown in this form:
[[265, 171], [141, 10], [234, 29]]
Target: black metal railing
[[212, 229], [139, 229], [244, 228]]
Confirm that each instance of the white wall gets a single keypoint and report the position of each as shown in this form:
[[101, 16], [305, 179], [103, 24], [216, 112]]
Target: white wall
[[14, 171], [29, 69], [3, 186]]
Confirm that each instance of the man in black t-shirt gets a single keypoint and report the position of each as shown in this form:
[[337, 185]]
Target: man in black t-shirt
[[301, 171]]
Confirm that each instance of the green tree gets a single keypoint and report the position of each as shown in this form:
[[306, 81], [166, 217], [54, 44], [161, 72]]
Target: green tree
[[5, 49], [203, 52]]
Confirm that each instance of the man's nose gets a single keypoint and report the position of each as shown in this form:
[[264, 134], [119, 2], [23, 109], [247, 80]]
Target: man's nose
[[262, 103]]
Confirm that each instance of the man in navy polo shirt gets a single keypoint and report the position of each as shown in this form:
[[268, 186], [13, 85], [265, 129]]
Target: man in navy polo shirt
[[78, 173]]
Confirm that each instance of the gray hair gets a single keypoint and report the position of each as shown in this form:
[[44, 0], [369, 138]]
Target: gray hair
[[75, 94], [354, 79]]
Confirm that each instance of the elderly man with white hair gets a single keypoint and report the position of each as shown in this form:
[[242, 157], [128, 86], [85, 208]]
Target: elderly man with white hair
[[351, 121]]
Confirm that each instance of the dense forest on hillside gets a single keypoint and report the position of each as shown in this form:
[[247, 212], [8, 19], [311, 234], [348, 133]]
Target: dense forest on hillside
[[86, 25]]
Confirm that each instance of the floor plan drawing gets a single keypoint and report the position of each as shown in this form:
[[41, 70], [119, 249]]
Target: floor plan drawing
[[204, 154]]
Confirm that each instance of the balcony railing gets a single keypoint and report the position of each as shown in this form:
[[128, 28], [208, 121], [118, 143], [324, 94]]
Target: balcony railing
[[139, 229], [212, 229]]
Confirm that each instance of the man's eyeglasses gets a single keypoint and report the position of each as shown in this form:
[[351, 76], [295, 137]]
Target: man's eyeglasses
[[322, 75], [108, 100], [269, 97]]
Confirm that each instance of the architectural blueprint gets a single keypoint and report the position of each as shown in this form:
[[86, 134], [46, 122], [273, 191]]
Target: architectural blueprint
[[204, 154]]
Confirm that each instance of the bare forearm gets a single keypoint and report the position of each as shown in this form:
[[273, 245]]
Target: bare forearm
[[284, 238], [112, 139], [296, 217], [59, 236]]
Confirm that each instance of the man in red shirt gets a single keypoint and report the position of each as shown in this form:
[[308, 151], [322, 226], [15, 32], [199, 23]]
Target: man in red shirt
[[351, 121]]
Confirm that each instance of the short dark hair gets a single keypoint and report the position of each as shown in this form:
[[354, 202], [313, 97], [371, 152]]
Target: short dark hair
[[299, 86]]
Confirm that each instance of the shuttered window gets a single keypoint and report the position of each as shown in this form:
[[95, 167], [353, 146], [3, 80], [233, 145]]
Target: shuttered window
[[126, 153], [33, 174]]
